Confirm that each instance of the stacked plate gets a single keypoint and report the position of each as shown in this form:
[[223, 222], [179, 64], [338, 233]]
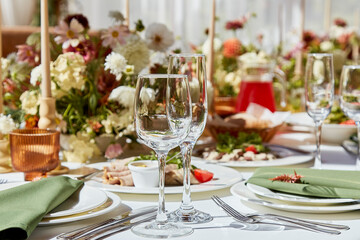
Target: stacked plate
[[87, 202], [293, 203]]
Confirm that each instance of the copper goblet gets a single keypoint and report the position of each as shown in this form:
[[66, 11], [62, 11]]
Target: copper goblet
[[34, 151]]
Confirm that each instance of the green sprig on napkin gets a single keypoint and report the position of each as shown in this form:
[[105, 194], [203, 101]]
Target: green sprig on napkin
[[315, 182], [23, 207]]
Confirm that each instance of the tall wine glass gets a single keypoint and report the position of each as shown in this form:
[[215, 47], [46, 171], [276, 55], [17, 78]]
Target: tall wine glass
[[319, 93], [350, 98], [162, 121], [193, 65]]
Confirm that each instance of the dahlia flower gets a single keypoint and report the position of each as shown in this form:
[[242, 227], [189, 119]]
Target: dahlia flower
[[124, 95], [116, 63]]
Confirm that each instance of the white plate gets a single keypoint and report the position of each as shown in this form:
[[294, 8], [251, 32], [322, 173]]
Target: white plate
[[332, 133], [262, 191], [112, 202], [296, 159], [226, 178], [240, 190], [84, 199]]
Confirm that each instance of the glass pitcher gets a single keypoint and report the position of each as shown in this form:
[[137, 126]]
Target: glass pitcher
[[257, 86]]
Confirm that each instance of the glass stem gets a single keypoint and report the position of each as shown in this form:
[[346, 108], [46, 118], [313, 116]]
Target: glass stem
[[358, 150], [161, 217], [186, 204], [318, 125]]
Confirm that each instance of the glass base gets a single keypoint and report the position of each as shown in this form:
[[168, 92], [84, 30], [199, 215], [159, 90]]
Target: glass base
[[156, 230], [195, 216]]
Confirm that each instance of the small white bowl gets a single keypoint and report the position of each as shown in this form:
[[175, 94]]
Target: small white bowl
[[145, 173], [336, 133]]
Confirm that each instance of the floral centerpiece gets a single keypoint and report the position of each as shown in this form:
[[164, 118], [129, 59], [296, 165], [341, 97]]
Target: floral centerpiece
[[7, 125], [341, 41], [93, 75]]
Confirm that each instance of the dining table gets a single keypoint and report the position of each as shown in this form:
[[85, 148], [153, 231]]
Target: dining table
[[222, 226]]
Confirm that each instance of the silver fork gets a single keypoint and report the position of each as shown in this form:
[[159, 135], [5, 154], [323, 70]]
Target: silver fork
[[2, 180], [252, 220]]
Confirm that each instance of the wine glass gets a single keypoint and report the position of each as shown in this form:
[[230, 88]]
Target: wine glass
[[350, 98], [162, 122], [319, 93], [192, 65]]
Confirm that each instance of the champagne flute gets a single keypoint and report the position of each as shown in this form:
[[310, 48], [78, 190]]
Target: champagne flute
[[162, 122], [350, 98], [319, 93], [192, 65]]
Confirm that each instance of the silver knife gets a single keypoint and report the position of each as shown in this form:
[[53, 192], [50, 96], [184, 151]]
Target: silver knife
[[78, 233]]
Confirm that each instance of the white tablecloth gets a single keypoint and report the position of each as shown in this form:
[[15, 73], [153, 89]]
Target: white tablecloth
[[224, 227]]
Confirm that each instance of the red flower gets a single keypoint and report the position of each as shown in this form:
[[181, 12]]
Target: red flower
[[232, 48], [80, 18], [340, 22], [95, 126], [31, 121], [85, 48], [234, 25]]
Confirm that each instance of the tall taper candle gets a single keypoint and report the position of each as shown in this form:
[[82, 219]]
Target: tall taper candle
[[1, 80], [45, 51], [298, 60], [210, 59], [127, 14], [327, 16]]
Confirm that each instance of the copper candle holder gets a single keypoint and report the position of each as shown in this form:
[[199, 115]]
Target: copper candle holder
[[34, 151]]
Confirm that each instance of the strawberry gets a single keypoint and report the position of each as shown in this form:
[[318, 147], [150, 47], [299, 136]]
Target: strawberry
[[203, 175]]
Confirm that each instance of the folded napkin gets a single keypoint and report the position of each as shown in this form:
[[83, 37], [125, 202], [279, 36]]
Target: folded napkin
[[23, 207], [315, 182]]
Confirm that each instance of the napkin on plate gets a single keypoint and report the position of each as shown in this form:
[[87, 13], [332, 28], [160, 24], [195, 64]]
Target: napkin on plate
[[315, 182], [23, 207]]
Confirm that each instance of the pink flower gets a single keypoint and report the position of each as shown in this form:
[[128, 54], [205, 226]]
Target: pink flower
[[113, 151], [85, 49], [28, 54], [114, 35], [69, 35], [233, 25], [340, 22]]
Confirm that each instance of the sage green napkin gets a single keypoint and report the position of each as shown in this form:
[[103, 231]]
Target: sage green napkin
[[23, 207], [315, 182]]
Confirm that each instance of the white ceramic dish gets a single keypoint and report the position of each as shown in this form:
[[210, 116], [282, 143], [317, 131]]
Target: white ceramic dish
[[226, 178], [268, 193], [241, 191], [297, 159], [112, 202], [84, 199], [145, 173], [331, 133]]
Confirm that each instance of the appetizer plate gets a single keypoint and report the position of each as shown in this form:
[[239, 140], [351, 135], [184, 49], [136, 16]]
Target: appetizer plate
[[241, 191], [225, 177], [268, 193], [111, 203], [332, 133], [292, 160], [84, 199]]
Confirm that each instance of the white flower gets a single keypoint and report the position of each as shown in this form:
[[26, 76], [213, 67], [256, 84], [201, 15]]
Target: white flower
[[35, 75], [7, 124], [124, 95], [337, 31], [206, 46], [253, 58], [234, 80], [319, 71], [30, 101], [116, 63], [147, 95], [82, 148], [158, 58], [158, 37], [68, 71], [326, 46], [129, 70], [5, 64], [118, 122], [135, 52]]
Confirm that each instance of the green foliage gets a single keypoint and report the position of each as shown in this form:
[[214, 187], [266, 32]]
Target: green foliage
[[229, 64], [227, 143], [139, 26]]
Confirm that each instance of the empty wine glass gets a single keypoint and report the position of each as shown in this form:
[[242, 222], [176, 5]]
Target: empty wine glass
[[193, 65], [319, 93], [350, 98], [162, 121]]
